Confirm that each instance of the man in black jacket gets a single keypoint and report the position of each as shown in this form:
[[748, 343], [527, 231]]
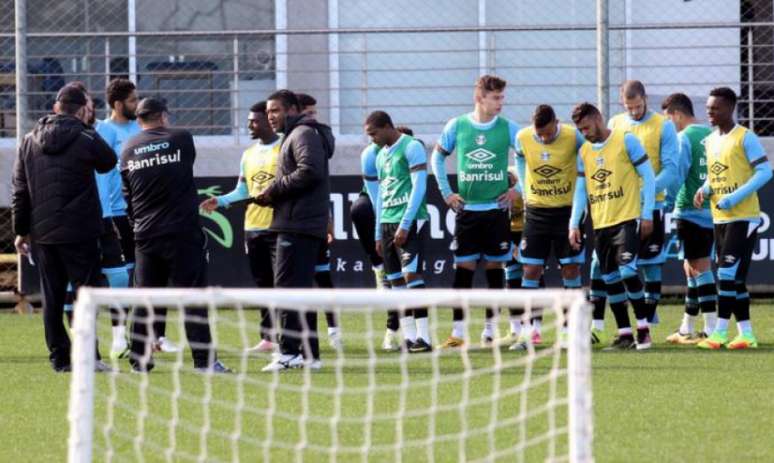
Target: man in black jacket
[[170, 247], [56, 207], [300, 196]]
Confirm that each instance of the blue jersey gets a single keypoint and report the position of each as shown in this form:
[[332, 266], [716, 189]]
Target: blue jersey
[[109, 184]]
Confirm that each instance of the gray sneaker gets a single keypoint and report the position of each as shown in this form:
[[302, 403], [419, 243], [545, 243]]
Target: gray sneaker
[[216, 368], [102, 367]]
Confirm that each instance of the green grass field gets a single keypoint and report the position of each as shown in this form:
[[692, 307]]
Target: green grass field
[[668, 404]]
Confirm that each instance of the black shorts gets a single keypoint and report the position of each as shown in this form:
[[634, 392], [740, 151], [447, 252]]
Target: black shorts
[[652, 250], [545, 229], [110, 247], [734, 246], [480, 234], [617, 246], [125, 236], [409, 258], [261, 250], [695, 241], [323, 258]]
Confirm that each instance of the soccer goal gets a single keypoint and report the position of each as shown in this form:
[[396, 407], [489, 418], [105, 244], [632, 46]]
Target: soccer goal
[[362, 404]]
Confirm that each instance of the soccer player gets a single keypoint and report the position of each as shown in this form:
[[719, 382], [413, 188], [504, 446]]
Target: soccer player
[[402, 225], [482, 140], [694, 225], [610, 166], [170, 246], [256, 170], [737, 168], [658, 136], [514, 269], [546, 161]]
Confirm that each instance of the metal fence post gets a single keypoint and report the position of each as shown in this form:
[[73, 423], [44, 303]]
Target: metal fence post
[[603, 56], [21, 69]]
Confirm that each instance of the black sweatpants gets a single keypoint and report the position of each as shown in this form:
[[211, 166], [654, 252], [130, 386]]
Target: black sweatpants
[[178, 260], [261, 252], [59, 264], [294, 268]]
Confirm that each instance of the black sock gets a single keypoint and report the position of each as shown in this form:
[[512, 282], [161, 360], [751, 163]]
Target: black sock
[[495, 279], [726, 299], [598, 297], [708, 296], [633, 286], [617, 295], [463, 279], [742, 306], [692, 301]]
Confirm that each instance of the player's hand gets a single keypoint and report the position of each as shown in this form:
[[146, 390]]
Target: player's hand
[[698, 198], [330, 237], [262, 199], [724, 203], [575, 238], [401, 235], [209, 204], [506, 199], [378, 246], [646, 228], [455, 202], [22, 243]]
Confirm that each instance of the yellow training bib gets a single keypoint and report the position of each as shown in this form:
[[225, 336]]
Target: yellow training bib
[[649, 134], [612, 183], [728, 168], [551, 168], [259, 166]]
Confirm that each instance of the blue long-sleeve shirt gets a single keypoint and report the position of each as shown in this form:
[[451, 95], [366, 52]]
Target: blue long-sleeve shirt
[[757, 158], [448, 142], [635, 151]]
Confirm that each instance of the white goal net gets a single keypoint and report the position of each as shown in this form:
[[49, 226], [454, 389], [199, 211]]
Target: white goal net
[[360, 403]]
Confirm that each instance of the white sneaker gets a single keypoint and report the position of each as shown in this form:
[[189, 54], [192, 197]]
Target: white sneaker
[[391, 342], [334, 340], [315, 364], [165, 345], [262, 347], [284, 362], [119, 349]]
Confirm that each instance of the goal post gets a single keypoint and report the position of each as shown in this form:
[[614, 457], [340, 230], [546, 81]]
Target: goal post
[[473, 404]]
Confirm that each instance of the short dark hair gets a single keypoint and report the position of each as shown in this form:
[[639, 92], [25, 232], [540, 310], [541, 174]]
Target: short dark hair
[[725, 93], [259, 107], [151, 109], [490, 83], [405, 129], [544, 114], [119, 90], [305, 100], [79, 85], [633, 89], [583, 110], [287, 98], [71, 98], [678, 102], [379, 119]]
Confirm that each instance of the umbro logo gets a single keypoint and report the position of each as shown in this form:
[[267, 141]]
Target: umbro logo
[[504, 245], [547, 171], [601, 175], [718, 168], [481, 155], [626, 255], [262, 177], [653, 247], [388, 181], [729, 258]]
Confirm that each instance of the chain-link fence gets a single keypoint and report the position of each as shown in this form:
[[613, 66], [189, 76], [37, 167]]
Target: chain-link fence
[[417, 60]]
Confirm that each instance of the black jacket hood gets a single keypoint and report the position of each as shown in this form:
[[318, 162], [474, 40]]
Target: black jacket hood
[[329, 141], [55, 132]]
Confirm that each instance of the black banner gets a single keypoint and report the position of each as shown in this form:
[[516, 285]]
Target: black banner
[[350, 266]]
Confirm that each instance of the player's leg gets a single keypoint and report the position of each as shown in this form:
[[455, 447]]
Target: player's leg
[[260, 248], [114, 271], [627, 242], [498, 250], [466, 256], [322, 277], [395, 281], [570, 261], [597, 296], [364, 220], [650, 259], [126, 238], [534, 249], [151, 271], [606, 251], [53, 284], [412, 266], [513, 275], [745, 338]]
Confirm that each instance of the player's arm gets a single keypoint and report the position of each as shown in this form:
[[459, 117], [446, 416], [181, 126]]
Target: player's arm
[[310, 157], [21, 203], [104, 156], [683, 163], [441, 151], [639, 160], [670, 150], [417, 160], [578, 205], [758, 160], [126, 185], [239, 193], [370, 174], [506, 200]]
